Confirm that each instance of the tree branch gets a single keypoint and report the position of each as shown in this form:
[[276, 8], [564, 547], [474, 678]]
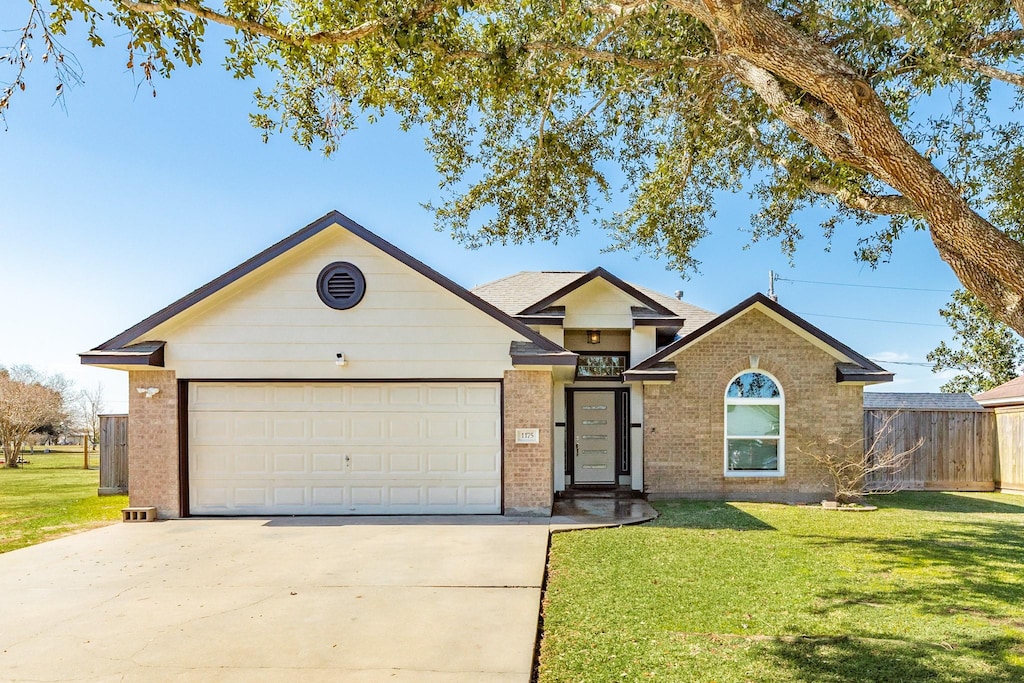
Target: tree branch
[[614, 57], [881, 205], [861, 200], [605, 56], [20, 55], [997, 37], [826, 138], [993, 72], [341, 37]]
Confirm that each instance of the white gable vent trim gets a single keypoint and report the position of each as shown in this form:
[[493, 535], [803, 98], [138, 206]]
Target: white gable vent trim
[[341, 285]]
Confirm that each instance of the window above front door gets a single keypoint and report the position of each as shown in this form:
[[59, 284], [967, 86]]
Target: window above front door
[[601, 366]]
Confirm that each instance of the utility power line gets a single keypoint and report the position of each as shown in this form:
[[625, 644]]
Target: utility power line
[[850, 284], [872, 320]]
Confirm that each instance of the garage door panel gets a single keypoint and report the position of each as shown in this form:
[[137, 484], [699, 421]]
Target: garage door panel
[[328, 396], [249, 497], [327, 462], [250, 463], [289, 496], [404, 427], [364, 395], [482, 429], [264, 448], [481, 496], [327, 426], [443, 463], [488, 395], [363, 499]]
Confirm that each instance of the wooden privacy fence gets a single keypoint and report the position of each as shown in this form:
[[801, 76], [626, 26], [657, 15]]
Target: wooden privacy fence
[[957, 453], [113, 454], [1010, 463]]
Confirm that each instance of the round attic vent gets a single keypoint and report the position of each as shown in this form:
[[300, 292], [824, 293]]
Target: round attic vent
[[341, 285]]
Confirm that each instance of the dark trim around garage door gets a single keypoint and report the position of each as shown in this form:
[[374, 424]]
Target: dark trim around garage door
[[183, 502], [183, 432]]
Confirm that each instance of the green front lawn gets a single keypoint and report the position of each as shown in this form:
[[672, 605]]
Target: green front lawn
[[928, 588], [50, 497]]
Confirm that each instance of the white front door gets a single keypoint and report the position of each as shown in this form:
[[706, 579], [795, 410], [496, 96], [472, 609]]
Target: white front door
[[316, 448], [594, 437]]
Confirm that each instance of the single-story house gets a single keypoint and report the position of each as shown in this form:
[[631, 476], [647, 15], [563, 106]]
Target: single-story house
[[334, 373], [1006, 401]]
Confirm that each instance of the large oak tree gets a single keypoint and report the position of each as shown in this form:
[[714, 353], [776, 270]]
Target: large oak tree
[[879, 109]]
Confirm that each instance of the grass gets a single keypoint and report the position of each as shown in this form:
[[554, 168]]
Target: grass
[[928, 588], [51, 497]]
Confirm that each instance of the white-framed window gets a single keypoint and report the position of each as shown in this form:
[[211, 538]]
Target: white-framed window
[[755, 413]]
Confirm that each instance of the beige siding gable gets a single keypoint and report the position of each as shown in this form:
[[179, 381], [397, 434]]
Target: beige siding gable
[[598, 305], [271, 323]]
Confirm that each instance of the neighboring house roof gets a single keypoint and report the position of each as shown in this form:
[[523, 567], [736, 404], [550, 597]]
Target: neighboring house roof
[[1010, 393], [856, 368], [534, 291], [879, 400], [118, 343]]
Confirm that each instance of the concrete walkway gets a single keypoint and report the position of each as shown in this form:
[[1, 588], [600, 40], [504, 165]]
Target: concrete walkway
[[410, 599], [289, 599]]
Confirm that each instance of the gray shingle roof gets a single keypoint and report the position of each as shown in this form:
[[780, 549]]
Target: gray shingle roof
[[516, 292], [885, 400]]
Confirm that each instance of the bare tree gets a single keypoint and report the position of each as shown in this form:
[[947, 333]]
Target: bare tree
[[860, 467], [28, 401], [90, 405]]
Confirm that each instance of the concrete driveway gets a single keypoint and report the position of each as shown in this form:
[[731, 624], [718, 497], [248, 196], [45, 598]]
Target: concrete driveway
[[286, 599]]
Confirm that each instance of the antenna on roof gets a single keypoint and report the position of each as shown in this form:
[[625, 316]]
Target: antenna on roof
[[772, 277], [679, 294]]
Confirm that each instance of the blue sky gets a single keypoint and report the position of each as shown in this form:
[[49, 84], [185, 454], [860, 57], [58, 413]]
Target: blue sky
[[124, 202]]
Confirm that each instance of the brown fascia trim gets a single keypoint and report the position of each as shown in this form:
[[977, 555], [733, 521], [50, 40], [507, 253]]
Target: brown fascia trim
[[877, 372], [152, 357], [860, 374], [650, 376], [545, 359], [587, 277], [659, 322], [288, 243], [541, 320], [551, 316]]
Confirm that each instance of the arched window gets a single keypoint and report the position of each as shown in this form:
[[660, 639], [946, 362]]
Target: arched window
[[754, 426]]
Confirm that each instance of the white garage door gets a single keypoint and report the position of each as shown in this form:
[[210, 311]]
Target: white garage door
[[275, 448]]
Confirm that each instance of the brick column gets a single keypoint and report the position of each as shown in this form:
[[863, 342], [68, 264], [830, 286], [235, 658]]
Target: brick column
[[153, 441], [528, 468]]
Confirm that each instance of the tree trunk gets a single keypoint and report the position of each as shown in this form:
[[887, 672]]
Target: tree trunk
[[987, 261], [12, 450]]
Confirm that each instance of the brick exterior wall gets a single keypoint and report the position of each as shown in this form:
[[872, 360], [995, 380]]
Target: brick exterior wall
[[153, 442], [528, 468], [684, 422]]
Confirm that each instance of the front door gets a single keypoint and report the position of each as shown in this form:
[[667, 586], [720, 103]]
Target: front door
[[595, 437]]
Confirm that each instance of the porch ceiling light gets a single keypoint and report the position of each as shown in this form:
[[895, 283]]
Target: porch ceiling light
[[593, 336]]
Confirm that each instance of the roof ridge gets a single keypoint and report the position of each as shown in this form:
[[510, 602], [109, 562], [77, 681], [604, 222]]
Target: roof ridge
[[503, 278], [645, 288], [326, 221]]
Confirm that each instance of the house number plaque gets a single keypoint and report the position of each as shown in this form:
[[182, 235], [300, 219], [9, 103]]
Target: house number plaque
[[531, 435]]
